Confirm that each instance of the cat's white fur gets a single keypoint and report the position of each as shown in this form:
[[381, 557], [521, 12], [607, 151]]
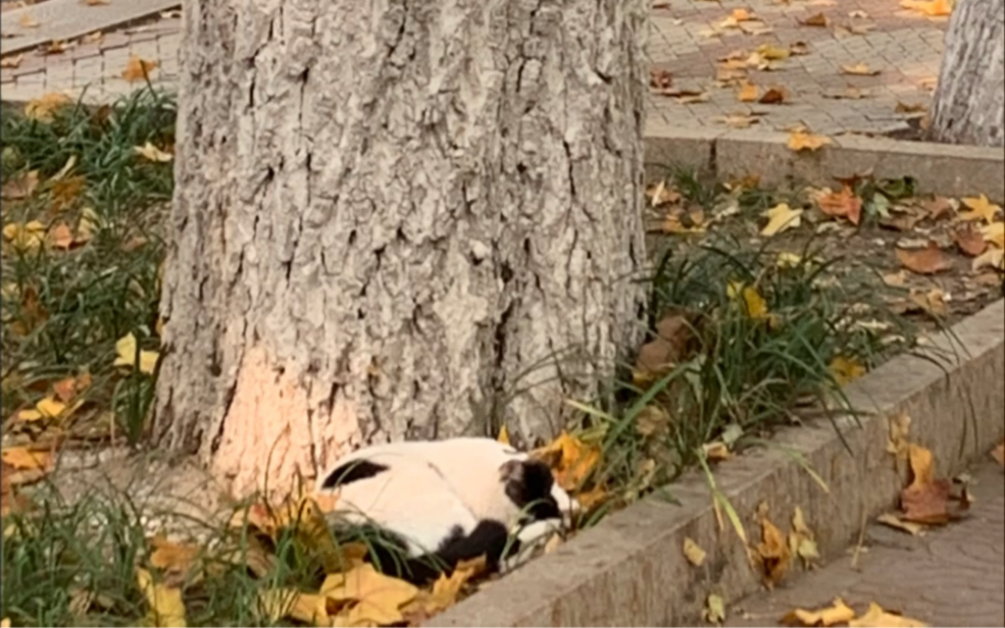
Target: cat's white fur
[[431, 486]]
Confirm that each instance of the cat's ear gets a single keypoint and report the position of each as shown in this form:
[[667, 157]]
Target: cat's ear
[[512, 471]]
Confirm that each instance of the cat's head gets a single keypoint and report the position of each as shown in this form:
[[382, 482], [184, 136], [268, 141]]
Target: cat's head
[[530, 485]]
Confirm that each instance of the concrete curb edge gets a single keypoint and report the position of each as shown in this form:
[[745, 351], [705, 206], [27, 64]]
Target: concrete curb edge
[[938, 168], [630, 570]]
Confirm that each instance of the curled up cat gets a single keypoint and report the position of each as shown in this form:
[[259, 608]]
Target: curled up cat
[[435, 503]]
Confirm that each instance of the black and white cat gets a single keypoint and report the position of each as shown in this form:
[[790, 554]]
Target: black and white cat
[[441, 502]]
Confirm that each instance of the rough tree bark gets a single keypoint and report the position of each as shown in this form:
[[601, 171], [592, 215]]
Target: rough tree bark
[[389, 215], [969, 105]]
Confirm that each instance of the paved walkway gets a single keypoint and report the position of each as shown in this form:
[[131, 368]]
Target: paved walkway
[[687, 40], [949, 577]]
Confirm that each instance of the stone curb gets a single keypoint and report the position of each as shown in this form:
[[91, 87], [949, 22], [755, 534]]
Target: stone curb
[[630, 570], [938, 168]]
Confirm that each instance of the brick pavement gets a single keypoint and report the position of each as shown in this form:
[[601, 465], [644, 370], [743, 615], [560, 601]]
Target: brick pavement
[[953, 576], [904, 46]]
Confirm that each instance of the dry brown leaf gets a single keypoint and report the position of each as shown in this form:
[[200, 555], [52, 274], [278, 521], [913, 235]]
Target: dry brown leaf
[[667, 349], [876, 617], [837, 613], [445, 590], [842, 204], [694, 554], [926, 261], [909, 108], [859, 69], [772, 552], [970, 240], [61, 237], [800, 140], [20, 187], [44, 107], [937, 207], [774, 96], [138, 69], [660, 79], [173, 558], [799, 48], [818, 20], [926, 499], [660, 194], [848, 93]]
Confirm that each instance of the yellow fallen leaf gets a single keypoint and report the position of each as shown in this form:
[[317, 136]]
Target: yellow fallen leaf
[[845, 369], [575, 460], [876, 617], [747, 93], [378, 597], [859, 69], [781, 218], [991, 258], [931, 8], [715, 609], [980, 209], [125, 350], [166, 606], [25, 236], [24, 458], [151, 153], [308, 608], [5, 622], [801, 539], [994, 234], [138, 69], [44, 107], [755, 304], [446, 589], [801, 140], [788, 260], [503, 436], [899, 428], [836, 613], [773, 52], [28, 21], [694, 554]]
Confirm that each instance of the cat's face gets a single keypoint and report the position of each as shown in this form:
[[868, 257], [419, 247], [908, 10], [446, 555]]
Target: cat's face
[[529, 484]]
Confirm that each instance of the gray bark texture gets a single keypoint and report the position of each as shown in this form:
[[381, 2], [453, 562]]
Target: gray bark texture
[[397, 219], [969, 105]]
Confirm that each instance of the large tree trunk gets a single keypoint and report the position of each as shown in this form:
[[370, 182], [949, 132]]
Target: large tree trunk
[[969, 105], [391, 217]]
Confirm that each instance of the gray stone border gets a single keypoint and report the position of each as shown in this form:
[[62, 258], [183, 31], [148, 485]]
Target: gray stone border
[[938, 168], [630, 570]]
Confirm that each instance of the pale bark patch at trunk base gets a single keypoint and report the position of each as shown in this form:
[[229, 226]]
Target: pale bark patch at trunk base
[[391, 218]]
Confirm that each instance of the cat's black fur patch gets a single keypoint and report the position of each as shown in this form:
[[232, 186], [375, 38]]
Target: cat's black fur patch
[[533, 491], [488, 537], [353, 471]]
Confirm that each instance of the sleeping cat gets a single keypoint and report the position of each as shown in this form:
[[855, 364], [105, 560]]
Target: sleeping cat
[[440, 502]]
